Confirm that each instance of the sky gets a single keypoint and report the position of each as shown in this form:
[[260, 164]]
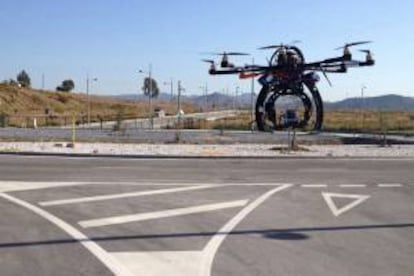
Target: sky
[[112, 40]]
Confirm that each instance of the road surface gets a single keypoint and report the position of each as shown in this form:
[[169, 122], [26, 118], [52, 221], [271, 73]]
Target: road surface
[[71, 216]]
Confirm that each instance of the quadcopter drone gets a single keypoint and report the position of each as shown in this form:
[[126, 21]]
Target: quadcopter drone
[[288, 74]]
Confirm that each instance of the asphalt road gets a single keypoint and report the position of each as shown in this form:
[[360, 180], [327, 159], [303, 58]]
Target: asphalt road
[[72, 216]]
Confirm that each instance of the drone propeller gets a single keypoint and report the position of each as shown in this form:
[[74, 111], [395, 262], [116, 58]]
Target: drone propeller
[[277, 46], [272, 47], [208, 61], [347, 45], [229, 54], [368, 52], [369, 57]]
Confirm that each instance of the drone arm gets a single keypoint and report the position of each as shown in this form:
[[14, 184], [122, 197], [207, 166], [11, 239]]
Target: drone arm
[[367, 63], [325, 62], [235, 70]]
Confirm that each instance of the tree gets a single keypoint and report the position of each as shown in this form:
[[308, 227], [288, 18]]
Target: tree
[[23, 79], [151, 84], [66, 86]]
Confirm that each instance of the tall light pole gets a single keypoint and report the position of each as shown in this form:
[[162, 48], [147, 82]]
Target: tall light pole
[[363, 87], [252, 100], [204, 89], [171, 83], [88, 80], [149, 94], [180, 89], [235, 97]]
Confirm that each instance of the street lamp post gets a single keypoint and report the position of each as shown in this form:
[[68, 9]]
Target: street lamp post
[[363, 87], [88, 80], [171, 84], [180, 89], [236, 93], [149, 95], [252, 101], [204, 90]]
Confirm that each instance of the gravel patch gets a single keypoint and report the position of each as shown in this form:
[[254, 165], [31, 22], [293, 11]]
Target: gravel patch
[[207, 150]]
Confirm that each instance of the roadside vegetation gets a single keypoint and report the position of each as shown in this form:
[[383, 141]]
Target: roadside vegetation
[[369, 120], [337, 120], [19, 106]]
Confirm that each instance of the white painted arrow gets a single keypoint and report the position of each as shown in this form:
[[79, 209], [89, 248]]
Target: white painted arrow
[[357, 199]]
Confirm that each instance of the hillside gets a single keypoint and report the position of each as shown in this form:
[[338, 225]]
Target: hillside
[[22, 104], [213, 100], [220, 100], [386, 102]]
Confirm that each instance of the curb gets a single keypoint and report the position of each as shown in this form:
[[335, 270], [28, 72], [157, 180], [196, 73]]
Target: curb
[[200, 157]]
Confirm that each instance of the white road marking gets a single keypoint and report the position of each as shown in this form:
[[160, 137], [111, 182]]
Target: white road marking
[[357, 199], [161, 214], [161, 263], [14, 186], [352, 185], [109, 261], [188, 263], [314, 185], [123, 195], [390, 185], [192, 184], [213, 245]]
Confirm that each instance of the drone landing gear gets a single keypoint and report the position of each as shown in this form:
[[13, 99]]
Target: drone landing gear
[[267, 118]]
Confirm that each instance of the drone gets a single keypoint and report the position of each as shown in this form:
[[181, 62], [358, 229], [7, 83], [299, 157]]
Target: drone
[[288, 74]]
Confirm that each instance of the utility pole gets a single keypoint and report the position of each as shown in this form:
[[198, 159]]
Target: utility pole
[[88, 80], [204, 90], [205, 96], [363, 87], [236, 92], [180, 89], [150, 94], [252, 101], [171, 83]]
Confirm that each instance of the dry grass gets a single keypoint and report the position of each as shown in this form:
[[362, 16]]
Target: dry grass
[[369, 120], [339, 120], [21, 105]]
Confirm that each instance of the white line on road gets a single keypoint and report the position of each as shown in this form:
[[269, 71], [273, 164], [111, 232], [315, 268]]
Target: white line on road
[[314, 185], [123, 195], [357, 199], [161, 263], [390, 185], [109, 261], [13, 186], [213, 245], [149, 183], [352, 185], [161, 214]]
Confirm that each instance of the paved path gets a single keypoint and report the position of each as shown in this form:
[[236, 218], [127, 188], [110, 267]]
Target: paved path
[[211, 217]]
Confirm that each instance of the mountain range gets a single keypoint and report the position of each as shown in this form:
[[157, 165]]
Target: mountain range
[[385, 102]]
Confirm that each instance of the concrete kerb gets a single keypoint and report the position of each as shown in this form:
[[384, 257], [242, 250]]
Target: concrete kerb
[[204, 151]]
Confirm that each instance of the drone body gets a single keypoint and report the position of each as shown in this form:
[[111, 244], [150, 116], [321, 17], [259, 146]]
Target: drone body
[[288, 74]]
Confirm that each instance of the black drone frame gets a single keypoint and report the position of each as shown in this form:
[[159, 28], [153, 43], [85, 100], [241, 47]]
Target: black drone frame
[[287, 74]]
